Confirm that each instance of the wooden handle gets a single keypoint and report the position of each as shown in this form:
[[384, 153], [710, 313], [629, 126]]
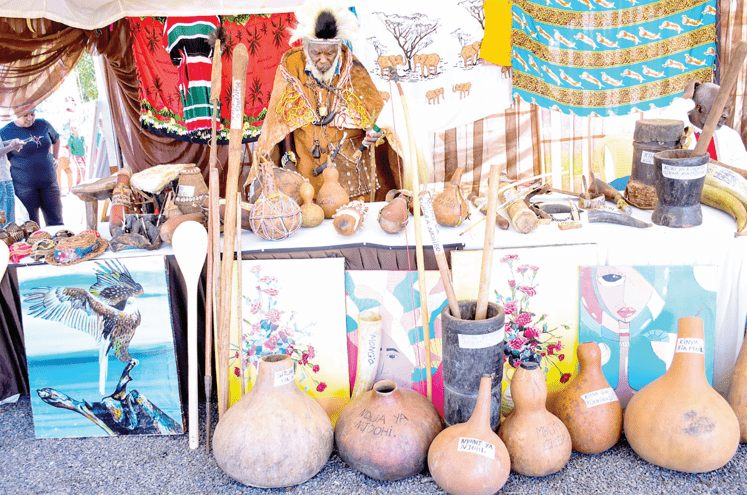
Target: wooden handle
[[487, 251], [235, 148], [735, 65], [216, 73]]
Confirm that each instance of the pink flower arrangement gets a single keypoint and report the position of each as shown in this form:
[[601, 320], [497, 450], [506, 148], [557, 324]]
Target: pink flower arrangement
[[273, 331], [527, 337]]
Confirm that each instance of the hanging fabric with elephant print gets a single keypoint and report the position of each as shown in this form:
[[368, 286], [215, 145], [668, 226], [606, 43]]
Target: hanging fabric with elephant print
[[433, 49], [596, 58]]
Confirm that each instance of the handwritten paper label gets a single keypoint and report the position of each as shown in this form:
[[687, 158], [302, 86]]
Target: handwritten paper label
[[647, 157], [696, 346], [599, 397], [683, 173], [237, 113], [480, 341], [430, 221], [475, 446], [284, 377], [187, 191], [510, 195]]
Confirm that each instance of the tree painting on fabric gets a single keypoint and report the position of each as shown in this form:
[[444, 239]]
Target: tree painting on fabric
[[100, 348], [294, 307], [174, 62], [536, 287], [600, 58], [395, 296], [633, 312]]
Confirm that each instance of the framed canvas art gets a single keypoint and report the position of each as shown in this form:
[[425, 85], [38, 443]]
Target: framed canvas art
[[100, 348], [536, 286], [395, 295], [294, 307], [632, 312]]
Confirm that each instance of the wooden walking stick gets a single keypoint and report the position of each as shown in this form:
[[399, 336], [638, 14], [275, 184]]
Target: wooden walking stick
[[438, 250], [240, 62], [487, 251], [419, 247], [213, 255], [239, 296], [190, 247]]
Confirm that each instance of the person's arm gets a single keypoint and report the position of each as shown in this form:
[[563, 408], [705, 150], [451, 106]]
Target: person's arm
[[56, 150], [13, 145]]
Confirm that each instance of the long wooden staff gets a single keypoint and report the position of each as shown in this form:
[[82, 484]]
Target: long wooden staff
[[239, 296], [487, 252], [419, 247], [213, 254], [240, 62], [735, 64]]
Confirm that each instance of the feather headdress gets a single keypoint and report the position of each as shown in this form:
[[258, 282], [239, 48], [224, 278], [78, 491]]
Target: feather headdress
[[325, 21]]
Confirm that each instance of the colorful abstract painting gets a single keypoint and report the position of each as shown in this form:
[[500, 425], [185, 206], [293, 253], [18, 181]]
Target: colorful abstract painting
[[294, 307], [395, 295], [633, 313], [536, 286], [600, 58], [100, 348]]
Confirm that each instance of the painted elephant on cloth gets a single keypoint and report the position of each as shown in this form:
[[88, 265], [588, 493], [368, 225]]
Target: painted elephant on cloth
[[463, 89], [428, 63], [434, 96], [389, 62], [471, 53]]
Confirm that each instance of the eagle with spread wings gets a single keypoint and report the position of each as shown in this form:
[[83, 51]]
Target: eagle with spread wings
[[107, 311]]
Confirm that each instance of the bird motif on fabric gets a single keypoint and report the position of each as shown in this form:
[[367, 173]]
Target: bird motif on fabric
[[107, 311]]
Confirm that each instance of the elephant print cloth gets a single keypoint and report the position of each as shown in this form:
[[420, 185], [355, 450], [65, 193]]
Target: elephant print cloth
[[433, 49], [600, 57]]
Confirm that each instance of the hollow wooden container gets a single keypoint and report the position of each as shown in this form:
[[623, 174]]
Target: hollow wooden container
[[469, 458], [737, 396], [588, 406], [449, 206], [276, 435], [331, 195], [522, 218], [679, 421], [537, 441], [385, 433]]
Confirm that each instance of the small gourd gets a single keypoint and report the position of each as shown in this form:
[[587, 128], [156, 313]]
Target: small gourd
[[679, 421], [311, 213], [537, 441], [588, 406], [449, 206], [331, 195], [393, 217]]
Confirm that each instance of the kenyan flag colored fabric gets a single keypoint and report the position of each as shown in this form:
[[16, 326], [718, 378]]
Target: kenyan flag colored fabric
[[174, 62], [610, 57]]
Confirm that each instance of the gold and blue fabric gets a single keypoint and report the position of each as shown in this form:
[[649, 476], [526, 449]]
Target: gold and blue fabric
[[610, 57]]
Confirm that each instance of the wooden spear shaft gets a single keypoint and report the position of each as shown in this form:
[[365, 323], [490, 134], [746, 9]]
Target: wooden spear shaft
[[487, 252], [240, 62], [419, 258]]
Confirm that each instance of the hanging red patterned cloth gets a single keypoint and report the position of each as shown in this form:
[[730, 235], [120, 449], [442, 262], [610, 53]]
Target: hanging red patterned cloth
[[171, 96]]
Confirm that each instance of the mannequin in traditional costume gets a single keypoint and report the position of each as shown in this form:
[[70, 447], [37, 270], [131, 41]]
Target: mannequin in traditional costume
[[325, 100]]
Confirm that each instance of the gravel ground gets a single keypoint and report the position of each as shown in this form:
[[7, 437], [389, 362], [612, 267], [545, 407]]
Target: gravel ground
[[165, 465]]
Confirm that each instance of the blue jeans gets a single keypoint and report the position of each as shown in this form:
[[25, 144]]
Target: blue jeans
[[8, 201], [47, 198]]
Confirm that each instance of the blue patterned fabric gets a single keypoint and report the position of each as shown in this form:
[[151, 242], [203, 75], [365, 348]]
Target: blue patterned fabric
[[600, 57]]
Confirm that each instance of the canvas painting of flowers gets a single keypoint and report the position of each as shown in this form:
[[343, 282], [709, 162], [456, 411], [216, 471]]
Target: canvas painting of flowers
[[294, 307], [537, 287], [395, 295]]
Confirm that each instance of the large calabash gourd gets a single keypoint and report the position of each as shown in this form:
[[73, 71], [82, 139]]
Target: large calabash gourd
[[331, 195], [469, 458], [537, 441], [274, 216], [449, 206], [588, 406], [276, 435], [385, 433], [311, 213], [737, 396], [679, 421]]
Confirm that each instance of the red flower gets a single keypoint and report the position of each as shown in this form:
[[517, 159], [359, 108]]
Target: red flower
[[509, 257], [271, 292], [289, 351], [321, 387], [510, 307], [558, 346], [236, 371], [523, 319], [512, 283], [236, 356], [273, 315], [550, 350], [315, 369], [266, 279], [304, 358], [518, 343], [565, 378], [256, 307], [531, 333], [561, 357], [529, 291], [524, 268], [255, 269], [312, 352], [517, 363]]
